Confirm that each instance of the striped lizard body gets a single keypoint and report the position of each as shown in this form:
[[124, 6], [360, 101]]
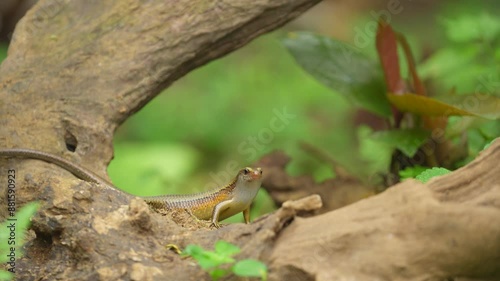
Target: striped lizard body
[[215, 205]]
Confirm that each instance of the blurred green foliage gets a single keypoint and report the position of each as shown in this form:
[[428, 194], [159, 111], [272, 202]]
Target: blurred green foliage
[[3, 51], [13, 238], [411, 172], [341, 67], [351, 70], [217, 108], [207, 120], [470, 61], [208, 116]]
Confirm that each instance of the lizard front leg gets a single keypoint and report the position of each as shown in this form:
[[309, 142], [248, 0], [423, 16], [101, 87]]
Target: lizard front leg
[[246, 215], [218, 209]]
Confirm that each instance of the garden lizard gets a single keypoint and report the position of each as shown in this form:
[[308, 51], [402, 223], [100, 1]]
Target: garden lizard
[[214, 205]]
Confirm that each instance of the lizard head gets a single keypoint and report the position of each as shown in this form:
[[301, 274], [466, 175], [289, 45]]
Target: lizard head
[[249, 174], [247, 185]]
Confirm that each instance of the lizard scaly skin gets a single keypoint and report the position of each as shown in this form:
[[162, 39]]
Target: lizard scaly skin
[[215, 205]]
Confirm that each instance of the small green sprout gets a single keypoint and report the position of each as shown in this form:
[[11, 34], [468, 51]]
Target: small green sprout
[[213, 262], [428, 174], [11, 242], [411, 172]]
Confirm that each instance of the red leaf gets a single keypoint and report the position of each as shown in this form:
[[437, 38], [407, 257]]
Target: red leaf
[[417, 83], [387, 50]]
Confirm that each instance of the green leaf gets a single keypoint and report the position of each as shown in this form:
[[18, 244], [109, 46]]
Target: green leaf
[[225, 248], [489, 144], [192, 250], [218, 273], [200, 255], [490, 130], [250, 268], [341, 67], [3, 51], [24, 215], [206, 259], [472, 27], [428, 174], [211, 259], [22, 222], [376, 155], [5, 275], [467, 105], [411, 172], [406, 140]]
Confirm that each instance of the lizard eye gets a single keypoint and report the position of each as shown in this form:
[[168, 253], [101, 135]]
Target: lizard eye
[[246, 171]]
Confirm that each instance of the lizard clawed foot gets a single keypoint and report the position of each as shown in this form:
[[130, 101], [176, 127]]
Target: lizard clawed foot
[[215, 225]]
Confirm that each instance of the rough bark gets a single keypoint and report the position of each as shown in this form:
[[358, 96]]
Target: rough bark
[[445, 229], [77, 69]]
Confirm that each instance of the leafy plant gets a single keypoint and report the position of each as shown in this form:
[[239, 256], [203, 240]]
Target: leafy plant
[[12, 240], [411, 172], [419, 123], [428, 174], [470, 60], [214, 261]]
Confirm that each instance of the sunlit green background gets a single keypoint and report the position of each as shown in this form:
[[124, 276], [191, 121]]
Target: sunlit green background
[[184, 139]]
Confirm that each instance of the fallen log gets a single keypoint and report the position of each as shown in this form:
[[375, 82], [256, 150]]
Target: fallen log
[[77, 69]]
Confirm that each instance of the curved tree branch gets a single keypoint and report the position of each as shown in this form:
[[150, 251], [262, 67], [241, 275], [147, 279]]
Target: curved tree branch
[[75, 71], [82, 67]]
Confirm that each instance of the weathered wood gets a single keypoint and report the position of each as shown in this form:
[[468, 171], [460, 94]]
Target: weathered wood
[[445, 229], [76, 69]]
